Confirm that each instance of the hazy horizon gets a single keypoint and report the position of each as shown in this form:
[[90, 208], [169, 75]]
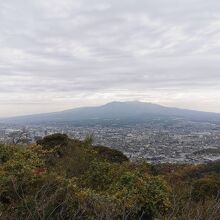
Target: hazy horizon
[[57, 55], [100, 106]]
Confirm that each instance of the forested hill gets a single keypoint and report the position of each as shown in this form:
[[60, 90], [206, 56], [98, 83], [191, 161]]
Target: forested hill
[[63, 178]]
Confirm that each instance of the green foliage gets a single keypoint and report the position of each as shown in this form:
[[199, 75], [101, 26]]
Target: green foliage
[[54, 140], [5, 153], [19, 173], [98, 176], [206, 187], [63, 178], [66, 156], [144, 194], [110, 155], [88, 140]]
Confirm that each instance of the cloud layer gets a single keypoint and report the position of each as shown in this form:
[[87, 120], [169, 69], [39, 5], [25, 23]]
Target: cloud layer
[[61, 54]]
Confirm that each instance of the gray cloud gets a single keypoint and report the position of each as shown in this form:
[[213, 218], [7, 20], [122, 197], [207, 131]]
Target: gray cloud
[[61, 54]]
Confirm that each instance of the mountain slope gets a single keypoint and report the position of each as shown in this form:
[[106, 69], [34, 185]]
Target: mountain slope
[[118, 111]]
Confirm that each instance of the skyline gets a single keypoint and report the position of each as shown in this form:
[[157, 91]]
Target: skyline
[[107, 104], [91, 52]]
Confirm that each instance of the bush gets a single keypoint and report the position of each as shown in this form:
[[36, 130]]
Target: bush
[[36, 183]]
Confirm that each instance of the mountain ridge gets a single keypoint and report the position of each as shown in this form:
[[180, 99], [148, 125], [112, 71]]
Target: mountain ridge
[[116, 111]]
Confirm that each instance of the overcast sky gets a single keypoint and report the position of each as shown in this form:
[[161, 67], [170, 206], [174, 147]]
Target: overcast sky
[[61, 54]]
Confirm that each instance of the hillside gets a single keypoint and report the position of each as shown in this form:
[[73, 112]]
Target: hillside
[[63, 178], [123, 111]]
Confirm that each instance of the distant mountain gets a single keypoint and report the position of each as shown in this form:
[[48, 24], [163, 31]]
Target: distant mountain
[[118, 111]]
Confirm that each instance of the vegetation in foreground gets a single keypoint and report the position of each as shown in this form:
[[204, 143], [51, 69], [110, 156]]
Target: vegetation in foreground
[[63, 178]]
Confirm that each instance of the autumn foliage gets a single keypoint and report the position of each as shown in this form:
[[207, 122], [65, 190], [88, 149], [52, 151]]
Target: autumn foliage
[[63, 178]]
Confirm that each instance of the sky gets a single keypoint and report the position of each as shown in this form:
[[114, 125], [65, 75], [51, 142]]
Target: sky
[[57, 55]]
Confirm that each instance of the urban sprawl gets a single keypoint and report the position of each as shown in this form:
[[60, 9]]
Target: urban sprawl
[[179, 142]]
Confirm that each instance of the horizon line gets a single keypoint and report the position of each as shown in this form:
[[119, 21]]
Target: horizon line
[[91, 106]]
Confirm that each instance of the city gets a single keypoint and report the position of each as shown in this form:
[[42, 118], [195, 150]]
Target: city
[[174, 142]]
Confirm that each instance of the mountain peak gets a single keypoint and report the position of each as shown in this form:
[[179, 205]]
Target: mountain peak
[[129, 110], [135, 102]]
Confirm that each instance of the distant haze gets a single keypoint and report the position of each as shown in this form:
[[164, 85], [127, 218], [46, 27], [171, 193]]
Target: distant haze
[[122, 112], [57, 55]]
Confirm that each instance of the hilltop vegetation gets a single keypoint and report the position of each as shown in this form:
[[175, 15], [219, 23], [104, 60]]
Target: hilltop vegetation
[[63, 178]]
